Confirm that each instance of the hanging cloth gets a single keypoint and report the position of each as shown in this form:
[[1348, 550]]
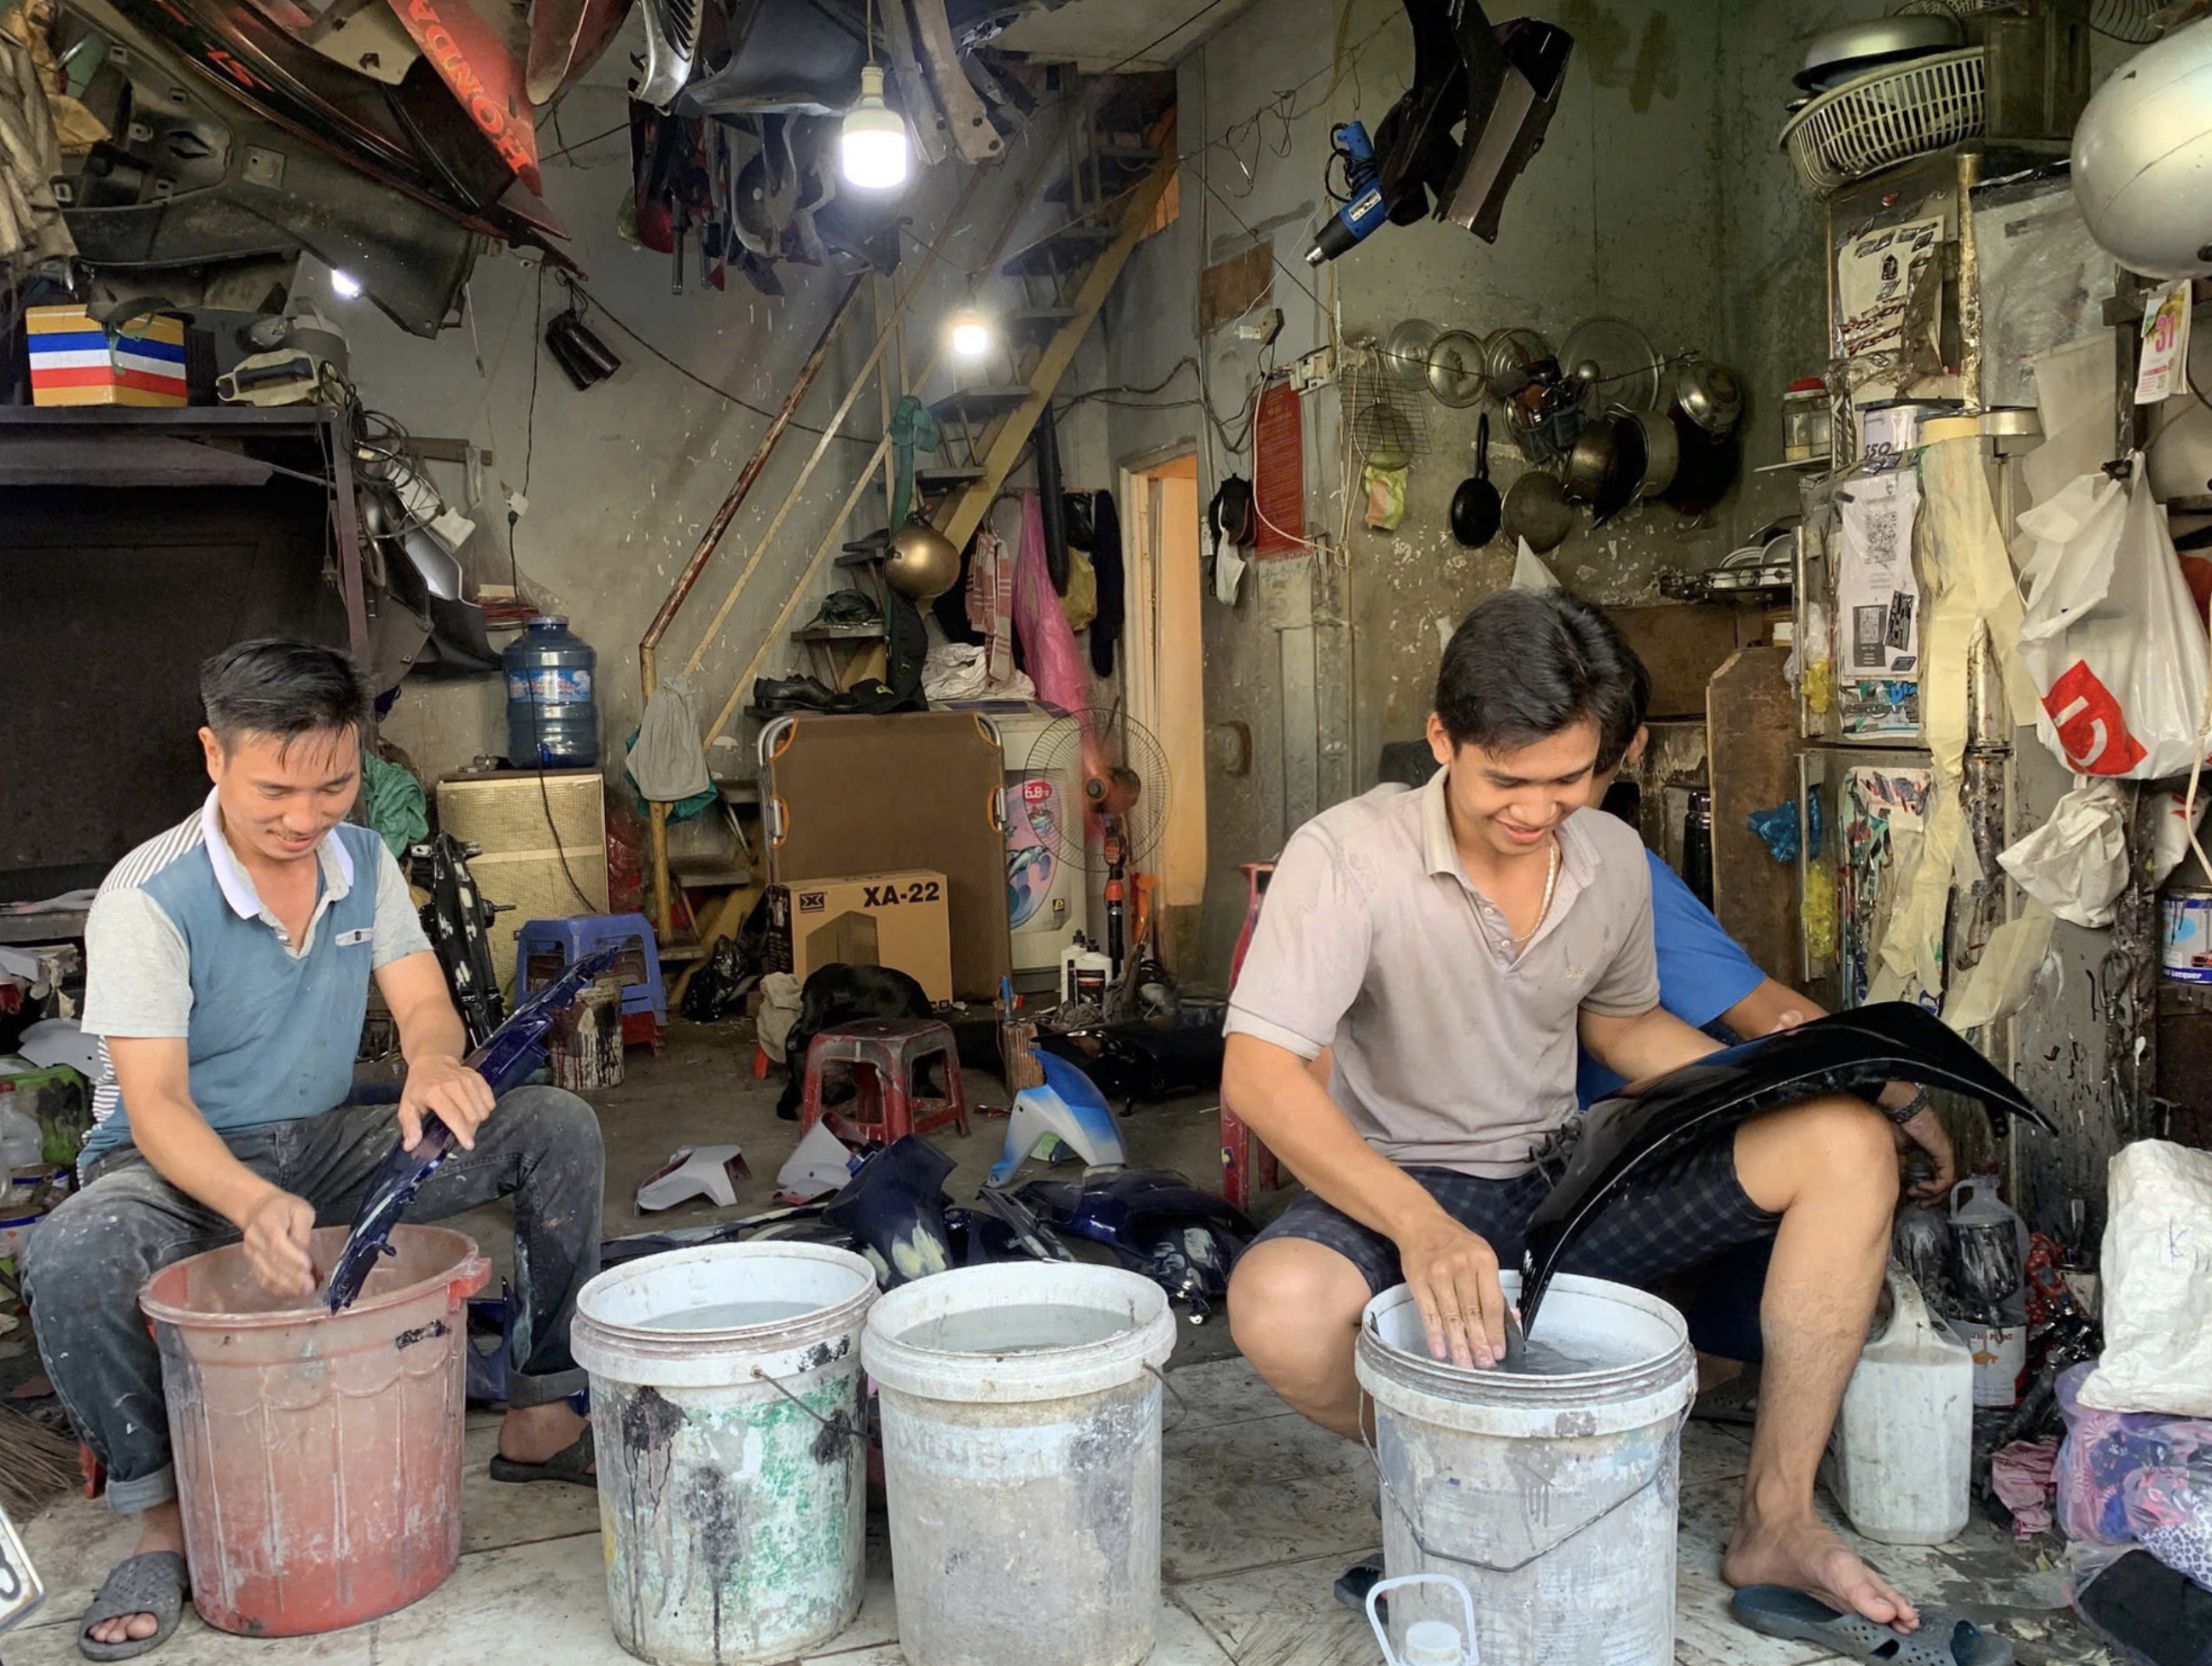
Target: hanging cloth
[[913, 428], [991, 602], [1113, 601]]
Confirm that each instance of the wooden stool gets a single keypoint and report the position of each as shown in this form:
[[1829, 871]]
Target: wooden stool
[[884, 1059]]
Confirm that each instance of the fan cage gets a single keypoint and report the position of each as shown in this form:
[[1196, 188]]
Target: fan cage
[[1886, 117]]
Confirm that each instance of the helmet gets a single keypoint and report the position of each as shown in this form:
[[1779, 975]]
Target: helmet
[[2142, 158], [923, 563]]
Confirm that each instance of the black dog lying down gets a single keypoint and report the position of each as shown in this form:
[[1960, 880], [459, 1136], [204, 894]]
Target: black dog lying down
[[841, 994]]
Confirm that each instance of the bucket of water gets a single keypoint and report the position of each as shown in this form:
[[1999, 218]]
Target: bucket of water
[[733, 1457], [319, 1456], [1551, 1490], [1021, 1412]]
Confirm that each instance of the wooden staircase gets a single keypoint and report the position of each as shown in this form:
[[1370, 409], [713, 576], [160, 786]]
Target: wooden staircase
[[1109, 183]]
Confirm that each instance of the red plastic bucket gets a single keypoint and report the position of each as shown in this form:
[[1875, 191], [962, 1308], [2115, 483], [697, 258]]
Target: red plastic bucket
[[319, 1458]]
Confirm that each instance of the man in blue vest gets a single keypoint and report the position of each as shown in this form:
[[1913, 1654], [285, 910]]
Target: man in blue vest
[[1707, 981], [228, 963]]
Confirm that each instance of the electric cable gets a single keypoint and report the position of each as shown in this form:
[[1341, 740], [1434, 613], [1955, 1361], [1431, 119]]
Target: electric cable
[[515, 582]]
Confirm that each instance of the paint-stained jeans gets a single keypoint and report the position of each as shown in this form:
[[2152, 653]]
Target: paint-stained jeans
[[85, 1266]]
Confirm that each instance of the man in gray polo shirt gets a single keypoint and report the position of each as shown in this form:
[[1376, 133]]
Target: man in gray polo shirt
[[228, 973], [1446, 949]]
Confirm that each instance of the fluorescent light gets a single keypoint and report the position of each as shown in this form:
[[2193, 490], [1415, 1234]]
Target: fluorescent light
[[344, 285], [873, 149], [971, 335]]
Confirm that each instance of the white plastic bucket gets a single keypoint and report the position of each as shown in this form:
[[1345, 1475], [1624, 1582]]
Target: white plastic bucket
[[732, 1460], [1023, 1480], [1555, 1498]]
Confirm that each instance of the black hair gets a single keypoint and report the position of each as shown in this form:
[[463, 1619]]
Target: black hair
[[284, 691], [1526, 664]]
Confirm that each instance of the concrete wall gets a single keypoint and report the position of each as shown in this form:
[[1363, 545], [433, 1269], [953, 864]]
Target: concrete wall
[[1324, 658]]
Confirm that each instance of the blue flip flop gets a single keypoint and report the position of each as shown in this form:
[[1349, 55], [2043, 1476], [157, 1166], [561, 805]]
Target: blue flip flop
[[1944, 1640]]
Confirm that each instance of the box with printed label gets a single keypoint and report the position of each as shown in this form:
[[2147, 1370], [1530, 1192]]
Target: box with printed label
[[75, 361], [897, 919]]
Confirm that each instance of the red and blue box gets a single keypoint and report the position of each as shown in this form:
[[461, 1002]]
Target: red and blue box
[[74, 361]]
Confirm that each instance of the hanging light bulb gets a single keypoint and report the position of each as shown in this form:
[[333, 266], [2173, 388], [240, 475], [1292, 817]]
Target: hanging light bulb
[[969, 333], [872, 149]]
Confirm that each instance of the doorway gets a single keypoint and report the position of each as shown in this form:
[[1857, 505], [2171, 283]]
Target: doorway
[[1165, 678]]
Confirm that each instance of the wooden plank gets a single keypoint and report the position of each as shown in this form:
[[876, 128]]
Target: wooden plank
[[1752, 752], [1003, 444], [1231, 288], [1681, 644]]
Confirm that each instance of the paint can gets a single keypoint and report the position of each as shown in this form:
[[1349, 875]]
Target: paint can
[[1553, 1496], [2186, 941], [732, 1456], [585, 1047], [1021, 1414], [2000, 1351]]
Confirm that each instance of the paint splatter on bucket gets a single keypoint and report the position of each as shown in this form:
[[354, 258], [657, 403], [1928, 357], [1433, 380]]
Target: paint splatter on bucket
[[733, 1461]]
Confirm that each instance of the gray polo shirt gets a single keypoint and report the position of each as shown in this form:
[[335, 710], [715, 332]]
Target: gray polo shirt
[[179, 944], [1448, 1051]]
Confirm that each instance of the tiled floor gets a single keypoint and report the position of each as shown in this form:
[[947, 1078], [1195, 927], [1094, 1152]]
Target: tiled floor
[[1263, 1511]]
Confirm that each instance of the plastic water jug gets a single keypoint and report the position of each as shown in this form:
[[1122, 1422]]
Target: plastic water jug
[[1901, 1460], [552, 714], [1988, 1244], [1428, 1642]]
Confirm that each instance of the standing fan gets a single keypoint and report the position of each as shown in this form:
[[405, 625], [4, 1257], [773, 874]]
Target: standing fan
[[1122, 773]]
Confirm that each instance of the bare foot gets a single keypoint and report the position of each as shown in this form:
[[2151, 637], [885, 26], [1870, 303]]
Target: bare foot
[[532, 1434], [1806, 1556], [161, 1528]]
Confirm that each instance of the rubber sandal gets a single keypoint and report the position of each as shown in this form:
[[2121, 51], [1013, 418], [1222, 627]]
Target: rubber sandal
[[572, 1463], [1944, 1640], [153, 1582], [1355, 1582]]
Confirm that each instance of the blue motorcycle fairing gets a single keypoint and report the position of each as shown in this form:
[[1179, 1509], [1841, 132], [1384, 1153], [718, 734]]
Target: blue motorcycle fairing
[[1159, 1224], [507, 1058]]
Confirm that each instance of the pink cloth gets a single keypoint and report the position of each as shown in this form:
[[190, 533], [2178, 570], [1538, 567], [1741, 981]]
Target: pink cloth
[[1048, 649], [2020, 1476]]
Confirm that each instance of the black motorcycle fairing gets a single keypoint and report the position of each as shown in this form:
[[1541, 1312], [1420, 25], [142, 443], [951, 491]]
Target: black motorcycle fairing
[[1847, 1052], [1481, 99]]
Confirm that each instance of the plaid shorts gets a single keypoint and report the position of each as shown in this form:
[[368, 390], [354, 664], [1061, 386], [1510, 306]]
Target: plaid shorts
[[1687, 1211]]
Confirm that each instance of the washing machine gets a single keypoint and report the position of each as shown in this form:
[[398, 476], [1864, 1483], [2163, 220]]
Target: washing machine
[[1047, 897]]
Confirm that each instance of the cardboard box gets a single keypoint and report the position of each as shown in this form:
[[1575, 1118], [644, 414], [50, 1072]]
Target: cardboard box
[[74, 361], [896, 920]]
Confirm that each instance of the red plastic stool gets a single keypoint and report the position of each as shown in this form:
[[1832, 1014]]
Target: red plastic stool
[[885, 1058], [1244, 1157]]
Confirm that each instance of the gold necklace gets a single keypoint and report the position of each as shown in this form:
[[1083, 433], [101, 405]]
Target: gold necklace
[[1551, 882]]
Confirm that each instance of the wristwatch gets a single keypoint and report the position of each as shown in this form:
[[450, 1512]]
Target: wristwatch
[[1921, 1099]]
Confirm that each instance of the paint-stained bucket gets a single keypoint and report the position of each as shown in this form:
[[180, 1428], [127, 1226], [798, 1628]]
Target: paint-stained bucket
[[318, 1456], [2185, 942], [1554, 1496], [732, 1458], [1021, 1412]]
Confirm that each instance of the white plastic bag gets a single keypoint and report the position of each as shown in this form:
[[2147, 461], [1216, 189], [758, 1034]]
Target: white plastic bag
[[2111, 636], [2076, 863], [2158, 1283], [666, 760], [1529, 573], [2172, 828]]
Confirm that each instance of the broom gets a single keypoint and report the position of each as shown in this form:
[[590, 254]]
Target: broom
[[37, 1465]]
